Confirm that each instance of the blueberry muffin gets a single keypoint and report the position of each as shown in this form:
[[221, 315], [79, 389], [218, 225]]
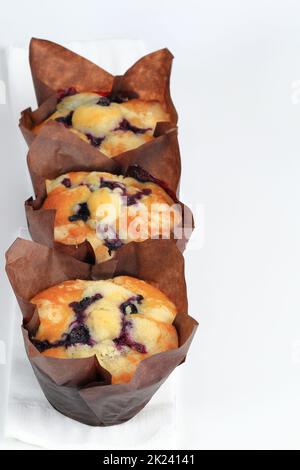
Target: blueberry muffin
[[121, 320], [108, 211], [111, 126]]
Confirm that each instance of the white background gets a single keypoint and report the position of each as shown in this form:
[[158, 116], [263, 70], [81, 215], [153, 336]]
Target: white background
[[236, 63]]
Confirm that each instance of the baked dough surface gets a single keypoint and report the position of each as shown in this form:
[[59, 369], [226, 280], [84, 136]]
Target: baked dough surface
[[108, 210], [112, 127], [121, 320]]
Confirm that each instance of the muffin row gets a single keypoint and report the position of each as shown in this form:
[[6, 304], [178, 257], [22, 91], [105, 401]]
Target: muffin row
[[102, 293]]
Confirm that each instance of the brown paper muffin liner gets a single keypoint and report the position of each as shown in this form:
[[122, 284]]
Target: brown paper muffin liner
[[80, 388], [53, 67], [159, 157], [41, 221]]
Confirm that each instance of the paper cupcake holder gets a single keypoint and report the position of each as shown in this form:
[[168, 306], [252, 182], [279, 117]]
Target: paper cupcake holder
[[80, 388]]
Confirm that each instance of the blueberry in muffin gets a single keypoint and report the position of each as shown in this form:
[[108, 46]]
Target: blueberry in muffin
[[121, 320], [111, 125], [108, 210]]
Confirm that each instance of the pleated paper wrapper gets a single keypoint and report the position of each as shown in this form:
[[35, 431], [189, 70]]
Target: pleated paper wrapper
[[44, 162], [80, 388], [54, 68]]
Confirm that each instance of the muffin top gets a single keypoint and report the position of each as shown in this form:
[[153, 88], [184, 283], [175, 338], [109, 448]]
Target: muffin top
[[112, 127], [121, 320], [108, 210]]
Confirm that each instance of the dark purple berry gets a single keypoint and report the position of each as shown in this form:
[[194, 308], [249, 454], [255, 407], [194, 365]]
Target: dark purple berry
[[104, 101], [95, 141], [138, 173], [83, 213], [109, 237], [42, 346], [139, 347], [134, 198], [112, 185], [135, 171], [66, 120], [130, 198], [66, 182], [126, 126], [129, 308], [79, 307], [113, 244], [124, 338], [119, 98], [79, 334]]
